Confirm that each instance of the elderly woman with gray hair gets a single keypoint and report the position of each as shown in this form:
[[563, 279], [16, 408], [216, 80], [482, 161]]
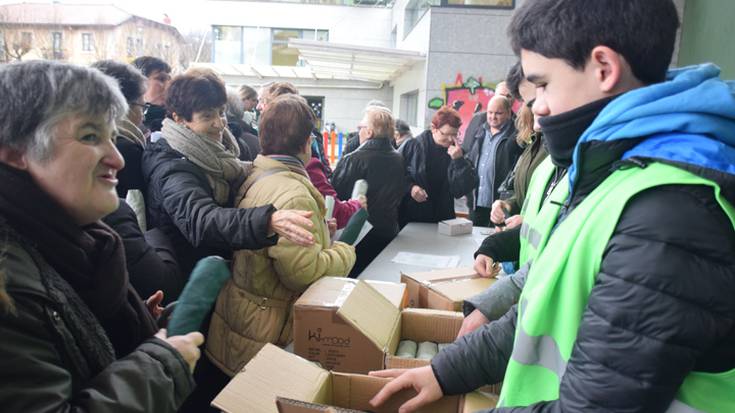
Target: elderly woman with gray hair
[[75, 335]]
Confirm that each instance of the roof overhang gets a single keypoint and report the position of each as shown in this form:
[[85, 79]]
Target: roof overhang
[[350, 62]]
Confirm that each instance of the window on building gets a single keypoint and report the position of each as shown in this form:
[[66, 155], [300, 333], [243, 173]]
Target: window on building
[[414, 11], [409, 107], [56, 45], [139, 46], [260, 45], [87, 42], [130, 47], [480, 3], [26, 40], [228, 44], [282, 55]]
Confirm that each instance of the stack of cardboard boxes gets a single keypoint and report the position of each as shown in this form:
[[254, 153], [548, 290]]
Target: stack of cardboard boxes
[[349, 328]]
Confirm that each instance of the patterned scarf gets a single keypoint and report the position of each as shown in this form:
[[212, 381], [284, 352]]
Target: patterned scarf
[[218, 160]]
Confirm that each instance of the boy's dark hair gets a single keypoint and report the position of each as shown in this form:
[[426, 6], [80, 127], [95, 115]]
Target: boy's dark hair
[[149, 65], [286, 126], [642, 31], [513, 80], [195, 92], [131, 81]]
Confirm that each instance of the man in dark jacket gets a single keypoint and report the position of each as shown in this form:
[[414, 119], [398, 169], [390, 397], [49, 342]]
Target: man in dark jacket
[[653, 321], [382, 167], [158, 73], [494, 153]]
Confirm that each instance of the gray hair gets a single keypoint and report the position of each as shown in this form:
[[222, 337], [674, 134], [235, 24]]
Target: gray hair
[[234, 107], [40, 94]]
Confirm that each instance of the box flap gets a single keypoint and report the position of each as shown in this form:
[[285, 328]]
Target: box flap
[[394, 292], [427, 277], [371, 313], [273, 372], [476, 401], [296, 406], [439, 326], [458, 290], [327, 292]]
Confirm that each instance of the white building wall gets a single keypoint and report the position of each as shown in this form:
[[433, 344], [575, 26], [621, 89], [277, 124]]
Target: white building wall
[[467, 41]]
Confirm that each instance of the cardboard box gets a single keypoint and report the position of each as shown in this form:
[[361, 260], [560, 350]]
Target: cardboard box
[[456, 226], [305, 387], [418, 324], [417, 283], [449, 295], [346, 325]]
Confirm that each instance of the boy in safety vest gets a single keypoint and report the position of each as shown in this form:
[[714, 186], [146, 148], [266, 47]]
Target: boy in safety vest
[[629, 300]]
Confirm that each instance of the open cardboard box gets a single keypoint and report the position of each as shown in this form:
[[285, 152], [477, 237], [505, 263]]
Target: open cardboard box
[[417, 283], [418, 324], [302, 387], [347, 325], [449, 295]]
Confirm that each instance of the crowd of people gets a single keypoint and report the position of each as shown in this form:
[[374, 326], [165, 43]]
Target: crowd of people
[[117, 179]]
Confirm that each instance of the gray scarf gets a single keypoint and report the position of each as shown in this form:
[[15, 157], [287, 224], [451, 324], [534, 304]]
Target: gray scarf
[[218, 160]]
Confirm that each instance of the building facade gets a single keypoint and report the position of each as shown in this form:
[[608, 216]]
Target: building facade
[[84, 34]]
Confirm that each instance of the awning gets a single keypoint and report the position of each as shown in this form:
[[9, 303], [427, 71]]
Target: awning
[[342, 61]]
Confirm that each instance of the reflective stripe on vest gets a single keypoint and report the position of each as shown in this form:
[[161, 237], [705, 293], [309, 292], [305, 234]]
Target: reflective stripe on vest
[[537, 208], [561, 279]]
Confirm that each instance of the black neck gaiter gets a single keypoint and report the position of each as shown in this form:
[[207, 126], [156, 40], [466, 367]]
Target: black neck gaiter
[[561, 132]]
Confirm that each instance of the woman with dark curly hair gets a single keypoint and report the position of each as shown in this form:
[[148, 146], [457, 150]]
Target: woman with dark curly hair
[[191, 176]]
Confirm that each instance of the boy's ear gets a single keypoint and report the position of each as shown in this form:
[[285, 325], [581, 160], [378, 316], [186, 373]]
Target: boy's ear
[[608, 67]]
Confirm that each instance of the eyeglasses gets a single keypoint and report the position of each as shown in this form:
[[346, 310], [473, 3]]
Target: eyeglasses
[[448, 135], [142, 105], [530, 103]]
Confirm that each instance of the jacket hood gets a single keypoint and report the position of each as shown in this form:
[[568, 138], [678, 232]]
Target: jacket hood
[[687, 120]]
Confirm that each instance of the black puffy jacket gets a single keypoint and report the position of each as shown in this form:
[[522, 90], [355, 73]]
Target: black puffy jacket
[[179, 203], [382, 167], [151, 267], [459, 179], [662, 304]]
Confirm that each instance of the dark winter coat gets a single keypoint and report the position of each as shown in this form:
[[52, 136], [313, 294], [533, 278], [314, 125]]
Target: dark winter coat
[[681, 276], [382, 167], [180, 204], [458, 180], [505, 160], [149, 268], [44, 348]]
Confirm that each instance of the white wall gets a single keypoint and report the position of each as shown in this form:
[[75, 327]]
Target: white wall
[[365, 26]]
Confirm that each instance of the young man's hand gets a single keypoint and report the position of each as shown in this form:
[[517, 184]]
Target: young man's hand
[[418, 194], [498, 211], [472, 322], [420, 379], [486, 267]]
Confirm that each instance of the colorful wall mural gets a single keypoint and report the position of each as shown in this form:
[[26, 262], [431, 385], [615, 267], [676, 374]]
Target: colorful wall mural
[[467, 97]]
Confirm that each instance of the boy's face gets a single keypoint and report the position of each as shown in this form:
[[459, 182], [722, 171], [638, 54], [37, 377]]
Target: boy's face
[[559, 87]]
